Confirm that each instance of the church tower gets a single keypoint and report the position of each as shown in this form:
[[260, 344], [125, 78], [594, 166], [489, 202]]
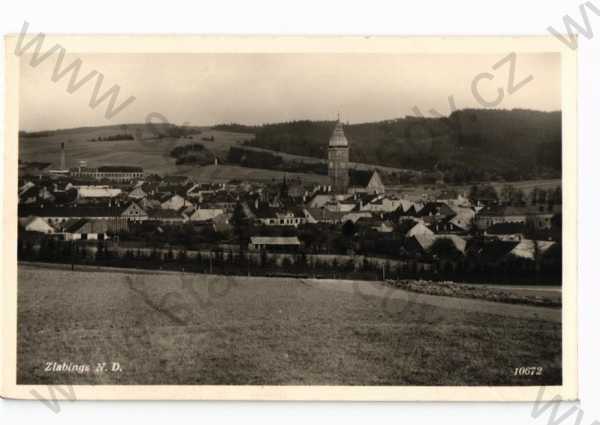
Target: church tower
[[338, 160]]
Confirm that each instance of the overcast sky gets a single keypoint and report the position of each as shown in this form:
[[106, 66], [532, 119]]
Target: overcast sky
[[207, 89]]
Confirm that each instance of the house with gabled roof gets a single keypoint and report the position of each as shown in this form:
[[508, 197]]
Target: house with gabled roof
[[381, 203], [530, 249], [97, 193], [220, 199], [35, 224], [117, 213], [354, 216], [416, 228], [170, 201], [198, 191], [500, 214], [148, 203], [137, 193], [134, 212], [203, 213], [277, 216], [322, 215], [464, 217], [343, 206], [385, 227], [406, 209], [274, 243], [427, 241], [364, 181], [319, 200], [86, 229]]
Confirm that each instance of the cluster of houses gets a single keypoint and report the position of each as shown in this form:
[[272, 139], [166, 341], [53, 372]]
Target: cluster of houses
[[72, 208], [89, 203]]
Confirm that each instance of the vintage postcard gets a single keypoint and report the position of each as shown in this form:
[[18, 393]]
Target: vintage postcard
[[289, 218]]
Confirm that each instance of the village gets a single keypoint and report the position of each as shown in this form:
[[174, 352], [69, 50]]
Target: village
[[355, 226], [288, 219]]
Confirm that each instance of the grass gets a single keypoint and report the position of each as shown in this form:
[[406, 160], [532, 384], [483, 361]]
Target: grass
[[151, 154], [197, 329]]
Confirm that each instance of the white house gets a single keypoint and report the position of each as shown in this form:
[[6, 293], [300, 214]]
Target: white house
[[355, 216], [137, 193], [173, 202], [134, 212], [205, 214], [84, 229], [419, 229], [36, 224], [382, 204], [526, 248], [97, 192], [258, 243], [319, 200]]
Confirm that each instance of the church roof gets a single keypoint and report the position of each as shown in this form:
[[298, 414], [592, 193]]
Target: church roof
[[338, 139], [360, 178]]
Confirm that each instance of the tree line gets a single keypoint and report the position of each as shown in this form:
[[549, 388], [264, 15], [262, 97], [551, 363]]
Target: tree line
[[442, 263], [469, 145]]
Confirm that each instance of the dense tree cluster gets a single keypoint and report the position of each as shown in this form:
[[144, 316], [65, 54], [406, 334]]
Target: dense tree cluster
[[194, 153], [271, 161], [113, 138]]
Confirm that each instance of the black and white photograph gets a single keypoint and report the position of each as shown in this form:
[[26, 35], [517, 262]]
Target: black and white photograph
[[352, 217]]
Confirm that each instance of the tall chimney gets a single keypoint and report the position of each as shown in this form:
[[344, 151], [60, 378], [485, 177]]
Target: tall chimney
[[63, 161]]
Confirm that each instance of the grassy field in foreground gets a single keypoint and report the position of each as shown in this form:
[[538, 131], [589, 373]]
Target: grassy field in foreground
[[201, 329]]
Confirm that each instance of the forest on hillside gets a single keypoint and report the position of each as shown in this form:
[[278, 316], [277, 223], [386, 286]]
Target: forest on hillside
[[469, 145]]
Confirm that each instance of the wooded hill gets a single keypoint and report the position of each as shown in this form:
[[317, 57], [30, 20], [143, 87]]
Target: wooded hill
[[470, 144]]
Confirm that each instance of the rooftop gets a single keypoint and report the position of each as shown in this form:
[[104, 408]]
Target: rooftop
[[72, 211], [338, 138], [360, 178], [274, 240], [120, 169]]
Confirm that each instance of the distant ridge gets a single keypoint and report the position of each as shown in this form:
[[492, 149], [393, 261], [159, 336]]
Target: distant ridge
[[470, 144]]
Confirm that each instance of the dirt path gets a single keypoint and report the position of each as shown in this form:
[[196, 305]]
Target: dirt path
[[378, 289]]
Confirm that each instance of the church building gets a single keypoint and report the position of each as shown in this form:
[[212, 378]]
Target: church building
[[338, 161], [342, 179]]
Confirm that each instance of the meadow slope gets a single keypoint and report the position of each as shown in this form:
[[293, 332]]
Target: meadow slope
[[170, 328], [150, 153]]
